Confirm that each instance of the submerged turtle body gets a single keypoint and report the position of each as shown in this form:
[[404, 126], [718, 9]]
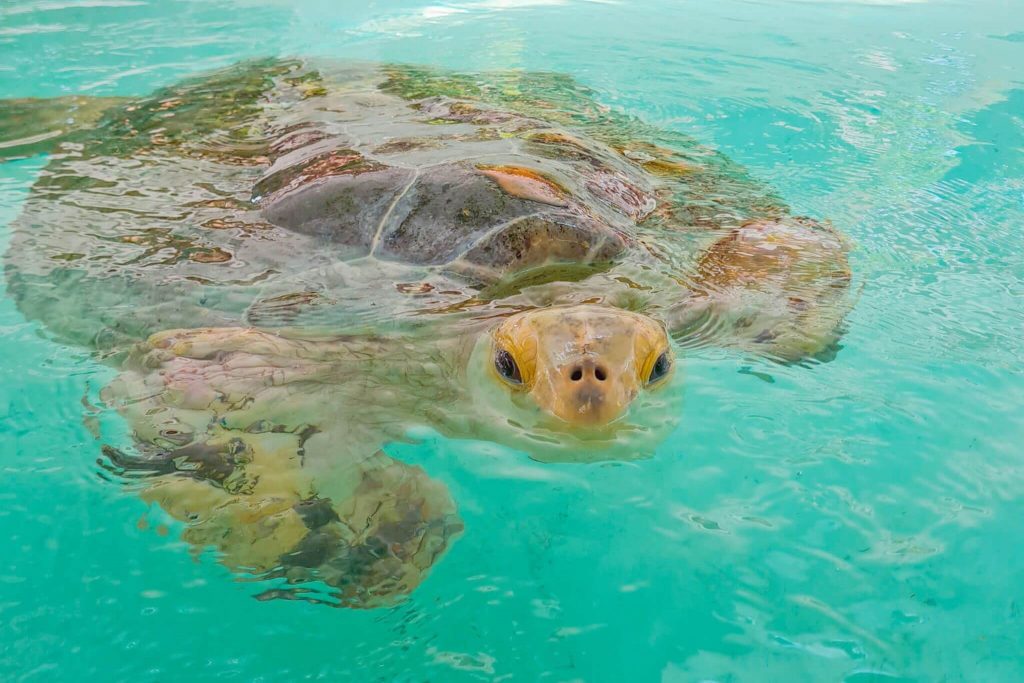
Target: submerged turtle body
[[293, 264]]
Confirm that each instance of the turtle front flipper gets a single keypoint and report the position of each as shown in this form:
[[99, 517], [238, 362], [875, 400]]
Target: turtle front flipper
[[31, 126], [247, 438], [778, 288]]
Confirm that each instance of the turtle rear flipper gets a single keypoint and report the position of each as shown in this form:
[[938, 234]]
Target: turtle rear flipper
[[224, 102], [31, 126]]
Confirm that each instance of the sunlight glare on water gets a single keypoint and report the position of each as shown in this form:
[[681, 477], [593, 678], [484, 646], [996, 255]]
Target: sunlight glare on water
[[857, 520]]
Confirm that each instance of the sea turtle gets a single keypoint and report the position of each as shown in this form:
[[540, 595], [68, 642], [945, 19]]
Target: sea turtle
[[294, 263]]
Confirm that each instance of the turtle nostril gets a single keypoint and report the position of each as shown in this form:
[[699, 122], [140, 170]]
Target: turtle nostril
[[600, 374], [577, 374]]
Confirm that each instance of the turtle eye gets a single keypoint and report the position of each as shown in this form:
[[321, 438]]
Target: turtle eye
[[506, 366], [660, 369]]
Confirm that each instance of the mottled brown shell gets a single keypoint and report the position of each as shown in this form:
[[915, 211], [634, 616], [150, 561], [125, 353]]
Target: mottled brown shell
[[270, 188], [441, 182]]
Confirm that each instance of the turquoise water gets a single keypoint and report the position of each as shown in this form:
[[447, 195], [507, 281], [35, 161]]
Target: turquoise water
[[853, 521]]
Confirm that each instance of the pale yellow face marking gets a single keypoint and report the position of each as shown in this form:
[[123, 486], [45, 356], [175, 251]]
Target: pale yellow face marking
[[584, 364]]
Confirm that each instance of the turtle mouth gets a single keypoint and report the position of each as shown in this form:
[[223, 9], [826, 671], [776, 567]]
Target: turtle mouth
[[633, 433], [587, 392]]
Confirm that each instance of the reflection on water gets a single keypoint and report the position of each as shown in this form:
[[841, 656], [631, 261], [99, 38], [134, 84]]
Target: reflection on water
[[848, 520]]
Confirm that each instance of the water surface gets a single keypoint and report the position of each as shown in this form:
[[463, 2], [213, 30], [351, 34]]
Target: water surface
[[857, 520]]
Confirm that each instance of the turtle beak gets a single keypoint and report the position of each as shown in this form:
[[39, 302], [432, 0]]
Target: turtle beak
[[586, 391]]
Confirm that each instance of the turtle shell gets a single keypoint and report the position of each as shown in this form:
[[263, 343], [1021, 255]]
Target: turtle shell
[[278, 187]]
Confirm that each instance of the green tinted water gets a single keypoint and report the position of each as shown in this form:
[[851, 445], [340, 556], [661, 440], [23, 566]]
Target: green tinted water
[[858, 520]]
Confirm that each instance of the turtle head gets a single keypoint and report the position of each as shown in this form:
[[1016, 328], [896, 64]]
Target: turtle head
[[584, 364]]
